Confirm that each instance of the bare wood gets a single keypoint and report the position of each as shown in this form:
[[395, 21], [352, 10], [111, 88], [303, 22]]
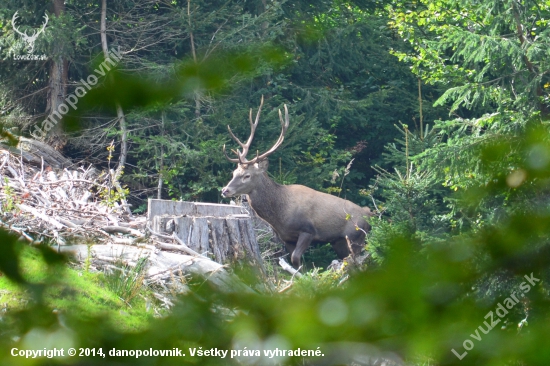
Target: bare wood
[[223, 231], [120, 112], [164, 299], [158, 234], [179, 248], [158, 207], [287, 287], [27, 157], [125, 241], [287, 267], [40, 215], [18, 230], [52, 176], [122, 230], [74, 181], [163, 262], [14, 173], [53, 209], [185, 248], [67, 222]]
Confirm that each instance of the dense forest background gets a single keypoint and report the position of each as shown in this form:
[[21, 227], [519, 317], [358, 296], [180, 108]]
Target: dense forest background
[[433, 113], [330, 62]]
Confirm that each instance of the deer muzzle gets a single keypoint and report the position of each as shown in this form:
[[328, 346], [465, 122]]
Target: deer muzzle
[[225, 192]]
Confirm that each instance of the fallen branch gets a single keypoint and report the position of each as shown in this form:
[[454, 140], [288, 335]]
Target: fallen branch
[[179, 248], [122, 230], [40, 215], [185, 247], [287, 267]]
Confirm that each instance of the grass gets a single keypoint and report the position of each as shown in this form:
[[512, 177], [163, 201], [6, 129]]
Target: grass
[[80, 294], [127, 281]]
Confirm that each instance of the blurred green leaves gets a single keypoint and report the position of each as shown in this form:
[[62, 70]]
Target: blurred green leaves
[[419, 304], [9, 261]]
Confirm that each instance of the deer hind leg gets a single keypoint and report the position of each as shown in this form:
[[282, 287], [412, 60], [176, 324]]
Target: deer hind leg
[[290, 247], [304, 239]]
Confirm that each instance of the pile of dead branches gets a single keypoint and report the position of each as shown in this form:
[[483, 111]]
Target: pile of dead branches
[[41, 203]]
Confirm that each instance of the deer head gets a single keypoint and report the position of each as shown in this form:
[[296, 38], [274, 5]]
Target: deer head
[[245, 177], [32, 38]]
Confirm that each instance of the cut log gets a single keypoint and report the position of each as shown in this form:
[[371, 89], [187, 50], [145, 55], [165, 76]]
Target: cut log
[[27, 157], [162, 265], [39, 149]]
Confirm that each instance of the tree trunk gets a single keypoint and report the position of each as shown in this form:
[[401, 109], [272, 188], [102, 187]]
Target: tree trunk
[[161, 162], [57, 89], [197, 94]]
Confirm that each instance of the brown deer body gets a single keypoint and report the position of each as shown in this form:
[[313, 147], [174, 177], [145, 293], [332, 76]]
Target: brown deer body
[[299, 215]]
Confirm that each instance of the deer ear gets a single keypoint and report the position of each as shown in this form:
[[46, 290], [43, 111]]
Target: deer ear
[[263, 164]]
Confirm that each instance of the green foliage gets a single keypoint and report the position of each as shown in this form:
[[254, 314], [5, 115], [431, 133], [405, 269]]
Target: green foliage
[[468, 185], [10, 199], [381, 234], [319, 257], [487, 53], [57, 290], [204, 64], [111, 196], [345, 77], [284, 177], [316, 282], [126, 281], [410, 192], [418, 305]]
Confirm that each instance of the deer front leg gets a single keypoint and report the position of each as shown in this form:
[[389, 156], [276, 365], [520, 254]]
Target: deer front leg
[[304, 239], [290, 248]]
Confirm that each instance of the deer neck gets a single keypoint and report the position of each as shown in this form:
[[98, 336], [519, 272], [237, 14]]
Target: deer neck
[[268, 199]]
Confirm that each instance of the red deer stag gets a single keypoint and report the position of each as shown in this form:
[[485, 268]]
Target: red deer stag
[[299, 215]]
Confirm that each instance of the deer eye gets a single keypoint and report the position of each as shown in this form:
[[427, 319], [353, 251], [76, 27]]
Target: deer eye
[[246, 176]]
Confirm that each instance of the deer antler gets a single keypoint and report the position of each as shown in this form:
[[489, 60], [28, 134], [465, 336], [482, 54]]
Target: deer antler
[[241, 156], [43, 25], [284, 126]]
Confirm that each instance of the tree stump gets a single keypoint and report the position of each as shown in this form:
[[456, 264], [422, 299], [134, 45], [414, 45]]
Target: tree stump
[[222, 232]]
